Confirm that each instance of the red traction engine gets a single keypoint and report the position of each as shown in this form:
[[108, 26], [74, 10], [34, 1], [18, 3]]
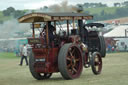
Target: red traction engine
[[65, 51]]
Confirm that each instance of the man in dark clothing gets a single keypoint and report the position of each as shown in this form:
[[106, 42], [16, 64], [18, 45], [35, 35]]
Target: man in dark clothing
[[51, 30]]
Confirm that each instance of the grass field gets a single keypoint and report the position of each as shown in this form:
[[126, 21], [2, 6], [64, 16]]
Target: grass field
[[115, 72], [109, 10]]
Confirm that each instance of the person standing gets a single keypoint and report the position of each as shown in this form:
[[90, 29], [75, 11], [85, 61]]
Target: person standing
[[109, 48], [125, 47], [24, 55]]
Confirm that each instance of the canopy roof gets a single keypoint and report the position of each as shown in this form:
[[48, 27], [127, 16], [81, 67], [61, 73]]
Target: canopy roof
[[42, 17]]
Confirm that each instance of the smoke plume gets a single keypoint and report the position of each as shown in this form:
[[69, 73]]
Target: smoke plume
[[62, 7], [11, 27]]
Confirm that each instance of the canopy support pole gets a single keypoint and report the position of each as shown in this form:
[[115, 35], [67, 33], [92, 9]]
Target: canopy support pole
[[33, 31], [55, 26], [73, 23], [47, 38], [68, 27]]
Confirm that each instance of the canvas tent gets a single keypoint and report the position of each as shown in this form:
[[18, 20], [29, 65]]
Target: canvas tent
[[118, 32], [120, 35]]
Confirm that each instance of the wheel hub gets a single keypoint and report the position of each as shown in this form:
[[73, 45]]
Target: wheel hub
[[73, 61]]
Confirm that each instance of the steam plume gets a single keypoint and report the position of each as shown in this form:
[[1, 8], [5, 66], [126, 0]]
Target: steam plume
[[62, 7]]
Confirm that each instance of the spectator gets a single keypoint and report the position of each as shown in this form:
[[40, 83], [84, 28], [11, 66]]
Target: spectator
[[24, 55], [125, 47], [113, 49], [109, 48]]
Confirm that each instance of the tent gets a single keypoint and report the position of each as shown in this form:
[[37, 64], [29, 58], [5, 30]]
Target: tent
[[118, 32], [120, 35]]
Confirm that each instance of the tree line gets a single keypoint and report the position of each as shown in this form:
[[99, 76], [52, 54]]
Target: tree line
[[97, 5], [121, 11], [10, 11]]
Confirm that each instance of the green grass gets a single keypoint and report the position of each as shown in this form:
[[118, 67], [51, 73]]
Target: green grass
[[4, 55], [109, 10], [115, 72]]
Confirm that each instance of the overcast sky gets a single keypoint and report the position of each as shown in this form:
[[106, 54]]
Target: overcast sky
[[34, 4]]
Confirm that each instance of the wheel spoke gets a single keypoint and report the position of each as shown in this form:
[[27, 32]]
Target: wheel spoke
[[97, 68], [70, 54], [97, 63], [73, 51], [68, 58], [96, 59], [74, 70]]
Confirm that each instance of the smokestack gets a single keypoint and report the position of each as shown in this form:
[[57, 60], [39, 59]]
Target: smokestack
[[79, 9]]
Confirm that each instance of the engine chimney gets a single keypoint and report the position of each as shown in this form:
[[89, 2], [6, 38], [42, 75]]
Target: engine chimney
[[79, 9]]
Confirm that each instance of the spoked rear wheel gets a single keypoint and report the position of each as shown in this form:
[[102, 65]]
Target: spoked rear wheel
[[70, 61], [96, 63], [38, 76]]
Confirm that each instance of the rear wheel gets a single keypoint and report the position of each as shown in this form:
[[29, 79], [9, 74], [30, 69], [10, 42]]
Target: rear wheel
[[70, 61], [38, 76], [96, 63]]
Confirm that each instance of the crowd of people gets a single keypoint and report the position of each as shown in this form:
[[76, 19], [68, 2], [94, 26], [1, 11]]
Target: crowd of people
[[115, 48]]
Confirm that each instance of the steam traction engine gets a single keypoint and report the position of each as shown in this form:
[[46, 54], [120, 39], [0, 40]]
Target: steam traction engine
[[67, 51]]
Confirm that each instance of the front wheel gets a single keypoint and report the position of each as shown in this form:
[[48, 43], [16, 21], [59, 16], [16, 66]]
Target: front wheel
[[70, 61], [102, 46], [96, 63]]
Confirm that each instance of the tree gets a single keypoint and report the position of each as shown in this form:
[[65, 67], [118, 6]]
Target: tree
[[86, 5], [45, 7], [117, 4], [11, 9], [8, 11], [125, 3], [18, 13], [92, 5]]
